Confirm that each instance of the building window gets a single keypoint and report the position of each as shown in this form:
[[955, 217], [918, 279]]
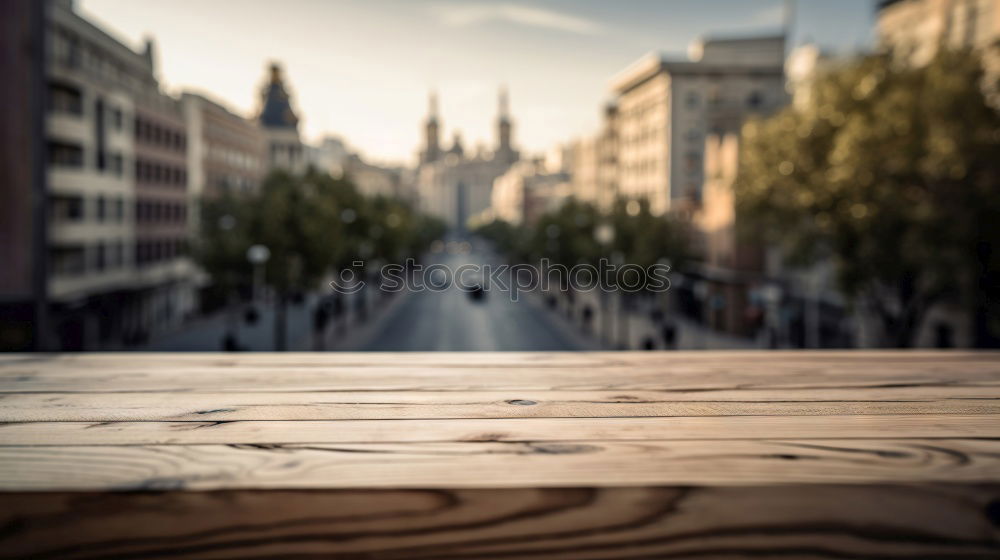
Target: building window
[[692, 100], [117, 164], [63, 154], [66, 208], [65, 99], [67, 261], [755, 100], [100, 257], [120, 209], [693, 162], [101, 208], [117, 119]]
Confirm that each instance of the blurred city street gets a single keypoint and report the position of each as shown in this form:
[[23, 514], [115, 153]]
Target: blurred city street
[[453, 320], [447, 320]]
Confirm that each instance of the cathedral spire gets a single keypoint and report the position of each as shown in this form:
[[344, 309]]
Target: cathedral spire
[[276, 109], [504, 149], [503, 106], [432, 106], [432, 146]]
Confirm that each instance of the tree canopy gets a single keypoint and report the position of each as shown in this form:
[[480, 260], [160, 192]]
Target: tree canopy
[[891, 171], [312, 224]]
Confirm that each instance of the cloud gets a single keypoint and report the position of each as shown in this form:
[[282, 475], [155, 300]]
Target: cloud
[[466, 14]]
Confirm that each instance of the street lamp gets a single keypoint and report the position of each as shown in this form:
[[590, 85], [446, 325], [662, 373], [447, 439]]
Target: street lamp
[[604, 234], [771, 293], [258, 255]]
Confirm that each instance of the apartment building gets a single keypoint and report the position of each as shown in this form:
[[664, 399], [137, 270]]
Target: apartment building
[[527, 190], [917, 28], [663, 105], [92, 81], [165, 272], [117, 182], [225, 151]]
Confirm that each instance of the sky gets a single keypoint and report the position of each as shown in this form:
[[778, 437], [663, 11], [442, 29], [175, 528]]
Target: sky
[[362, 69]]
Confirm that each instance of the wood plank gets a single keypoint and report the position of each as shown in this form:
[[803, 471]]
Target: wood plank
[[170, 360], [373, 405], [499, 465], [815, 521], [702, 428], [709, 376]]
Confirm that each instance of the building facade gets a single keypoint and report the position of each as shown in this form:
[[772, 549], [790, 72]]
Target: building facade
[[93, 82], [454, 185], [662, 107], [917, 28], [165, 273], [225, 151], [527, 190], [280, 124]]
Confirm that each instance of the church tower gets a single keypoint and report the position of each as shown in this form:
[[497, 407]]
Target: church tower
[[505, 150], [432, 146], [280, 123]]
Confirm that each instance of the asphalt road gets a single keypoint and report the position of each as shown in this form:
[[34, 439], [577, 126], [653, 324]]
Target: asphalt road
[[451, 320]]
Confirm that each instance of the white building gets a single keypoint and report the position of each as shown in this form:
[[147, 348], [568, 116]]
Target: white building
[[95, 87], [527, 190], [663, 106], [456, 186], [916, 28]]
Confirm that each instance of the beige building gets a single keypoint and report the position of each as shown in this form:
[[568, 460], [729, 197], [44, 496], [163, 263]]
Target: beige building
[[586, 169], [225, 151], [527, 190], [93, 82], [663, 105], [730, 268], [165, 273], [456, 186], [916, 28], [374, 180]]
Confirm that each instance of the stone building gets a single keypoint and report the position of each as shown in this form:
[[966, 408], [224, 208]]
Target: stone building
[[91, 82], [527, 190], [455, 185], [663, 105], [280, 124], [164, 271], [225, 150], [917, 28]]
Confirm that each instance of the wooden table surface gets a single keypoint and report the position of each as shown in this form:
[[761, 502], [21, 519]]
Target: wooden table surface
[[501, 455]]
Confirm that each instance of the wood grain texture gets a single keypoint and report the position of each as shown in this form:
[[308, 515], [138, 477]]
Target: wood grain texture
[[702, 428], [822, 522], [969, 374], [392, 405], [498, 464], [501, 455]]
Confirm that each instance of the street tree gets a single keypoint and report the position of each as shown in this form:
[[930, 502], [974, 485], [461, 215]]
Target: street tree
[[892, 172]]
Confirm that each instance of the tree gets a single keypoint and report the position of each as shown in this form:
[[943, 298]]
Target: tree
[[221, 251], [300, 219], [312, 224], [645, 239], [891, 171]]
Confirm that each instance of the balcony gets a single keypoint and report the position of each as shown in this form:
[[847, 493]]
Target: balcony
[[501, 455]]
